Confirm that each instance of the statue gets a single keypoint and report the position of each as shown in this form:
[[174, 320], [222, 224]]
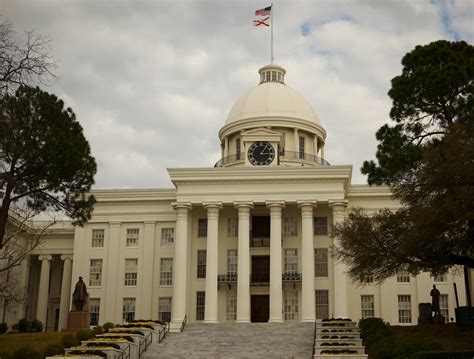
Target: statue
[[79, 296], [435, 300]]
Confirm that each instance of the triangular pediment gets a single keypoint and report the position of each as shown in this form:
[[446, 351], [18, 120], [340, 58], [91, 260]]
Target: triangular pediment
[[260, 131]]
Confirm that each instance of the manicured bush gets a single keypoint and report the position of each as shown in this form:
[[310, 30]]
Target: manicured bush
[[25, 326], [69, 340], [26, 353], [36, 326], [53, 349], [84, 334], [3, 328], [104, 344], [464, 354], [89, 352], [107, 326], [126, 337], [98, 330]]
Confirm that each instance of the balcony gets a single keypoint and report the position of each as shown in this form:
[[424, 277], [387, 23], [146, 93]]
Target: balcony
[[231, 160], [260, 279], [291, 277], [228, 278], [284, 156], [260, 242]]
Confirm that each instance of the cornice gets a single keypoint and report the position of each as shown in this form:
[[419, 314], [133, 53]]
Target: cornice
[[120, 196], [366, 192]]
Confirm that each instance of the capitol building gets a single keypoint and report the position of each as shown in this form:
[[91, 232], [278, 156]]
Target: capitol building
[[247, 239]]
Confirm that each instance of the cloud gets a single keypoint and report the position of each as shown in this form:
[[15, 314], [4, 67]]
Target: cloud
[[152, 81]]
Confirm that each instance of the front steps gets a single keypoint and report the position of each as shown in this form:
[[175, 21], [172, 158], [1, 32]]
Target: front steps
[[338, 335], [237, 340]]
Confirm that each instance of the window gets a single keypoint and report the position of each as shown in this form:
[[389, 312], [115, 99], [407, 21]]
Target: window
[[367, 306], [301, 147], [237, 149], [404, 309], [167, 237], [291, 261], [164, 309], [441, 278], [132, 237], [166, 271], [290, 225], [268, 76], [201, 263], [95, 275], [322, 304], [94, 309], [128, 309], [97, 238], [321, 226], [274, 76], [368, 279], [444, 306], [131, 267], [232, 261], [321, 262], [200, 305], [202, 227], [231, 305], [232, 227], [291, 305], [403, 278]]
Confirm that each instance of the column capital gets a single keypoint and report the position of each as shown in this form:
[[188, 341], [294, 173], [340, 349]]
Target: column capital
[[45, 257], [306, 203], [66, 257], [182, 205], [243, 204], [338, 205], [275, 204], [213, 205]]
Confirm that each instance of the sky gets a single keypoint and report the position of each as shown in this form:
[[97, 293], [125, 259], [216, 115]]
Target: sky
[[152, 82]]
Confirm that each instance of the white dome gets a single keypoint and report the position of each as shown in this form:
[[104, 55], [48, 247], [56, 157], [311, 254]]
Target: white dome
[[272, 99]]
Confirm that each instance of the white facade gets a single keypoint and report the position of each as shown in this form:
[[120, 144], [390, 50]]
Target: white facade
[[247, 240]]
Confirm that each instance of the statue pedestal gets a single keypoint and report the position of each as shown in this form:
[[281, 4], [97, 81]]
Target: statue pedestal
[[78, 320]]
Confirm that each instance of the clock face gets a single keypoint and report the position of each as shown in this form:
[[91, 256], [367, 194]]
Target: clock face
[[261, 153]]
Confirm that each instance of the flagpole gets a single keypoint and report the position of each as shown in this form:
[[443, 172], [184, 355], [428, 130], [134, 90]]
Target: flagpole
[[271, 32]]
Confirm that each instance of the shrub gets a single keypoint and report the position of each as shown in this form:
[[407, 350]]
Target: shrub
[[53, 349], [25, 326], [400, 347], [3, 328], [104, 344], [26, 353], [89, 352], [36, 326], [69, 340], [98, 330], [463, 354], [107, 326], [84, 334]]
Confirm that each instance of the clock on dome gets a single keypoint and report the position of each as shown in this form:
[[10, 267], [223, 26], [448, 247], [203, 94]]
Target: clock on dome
[[261, 153]]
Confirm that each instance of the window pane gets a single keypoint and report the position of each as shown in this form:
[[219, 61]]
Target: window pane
[[132, 237], [444, 306], [200, 305], [202, 227], [322, 304], [404, 309], [131, 268], [201, 263], [291, 261], [94, 309], [231, 305], [164, 309], [167, 237], [321, 226], [403, 278], [232, 262], [290, 225], [166, 271], [237, 149], [291, 305], [95, 274], [128, 309], [367, 306], [301, 147], [233, 227], [97, 238], [321, 262]]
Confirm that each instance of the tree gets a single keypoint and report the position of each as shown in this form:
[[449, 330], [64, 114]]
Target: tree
[[45, 161], [23, 63], [427, 158]]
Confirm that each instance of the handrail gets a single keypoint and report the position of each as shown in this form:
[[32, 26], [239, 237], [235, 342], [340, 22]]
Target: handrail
[[238, 157], [163, 331], [144, 344], [227, 278], [183, 323], [314, 340], [291, 277]]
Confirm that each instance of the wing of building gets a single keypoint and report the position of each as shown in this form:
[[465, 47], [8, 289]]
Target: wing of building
[[248, 239]]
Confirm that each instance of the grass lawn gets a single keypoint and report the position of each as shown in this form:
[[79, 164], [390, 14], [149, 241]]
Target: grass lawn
[[449, 335], [11, 342]]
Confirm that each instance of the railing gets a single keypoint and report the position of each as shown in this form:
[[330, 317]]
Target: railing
[[239, 157], [227, 278], [291, 277], [314, 341], [260, 278], [163, 331], [259, 242], [284, 155], [183, 323], [124, 354]]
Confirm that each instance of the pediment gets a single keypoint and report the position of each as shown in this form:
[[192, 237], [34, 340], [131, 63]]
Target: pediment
[[261, 134]]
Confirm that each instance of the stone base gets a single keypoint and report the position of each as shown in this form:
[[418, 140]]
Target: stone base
[[438, 319], [78, 320]]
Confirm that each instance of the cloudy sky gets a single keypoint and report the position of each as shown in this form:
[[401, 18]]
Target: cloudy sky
[[152, 82]]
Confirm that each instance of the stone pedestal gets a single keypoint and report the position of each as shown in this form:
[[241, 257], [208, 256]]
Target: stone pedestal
[[78, 320], [439, 319], [425, 312]]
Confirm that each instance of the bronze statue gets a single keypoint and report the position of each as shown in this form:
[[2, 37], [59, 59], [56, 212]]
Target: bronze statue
[[435, 300], [80, 294]]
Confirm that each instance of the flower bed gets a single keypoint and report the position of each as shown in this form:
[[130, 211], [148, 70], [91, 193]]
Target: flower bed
[[336, 344], [337, 351]]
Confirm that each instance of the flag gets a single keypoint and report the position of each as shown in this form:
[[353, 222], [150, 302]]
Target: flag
[[264, 12]]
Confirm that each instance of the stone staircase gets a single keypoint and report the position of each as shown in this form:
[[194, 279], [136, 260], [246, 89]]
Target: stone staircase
[[237, 340], [338, 335]]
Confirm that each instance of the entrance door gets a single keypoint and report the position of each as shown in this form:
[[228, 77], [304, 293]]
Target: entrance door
[[261, 226], [260, 269], [260, 308]]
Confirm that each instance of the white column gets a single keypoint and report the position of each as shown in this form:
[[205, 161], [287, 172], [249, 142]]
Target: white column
[[210, 309], [276, 287], [322, 151], [226, 146], [243, 263], [296, 140], [43, 291], [180, 265], [308, 312], [65, 292], [340, 280], [146, 278], [112, 301], [316, 145]]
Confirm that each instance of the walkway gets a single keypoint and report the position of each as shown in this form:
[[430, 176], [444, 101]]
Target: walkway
[[255, 340]]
